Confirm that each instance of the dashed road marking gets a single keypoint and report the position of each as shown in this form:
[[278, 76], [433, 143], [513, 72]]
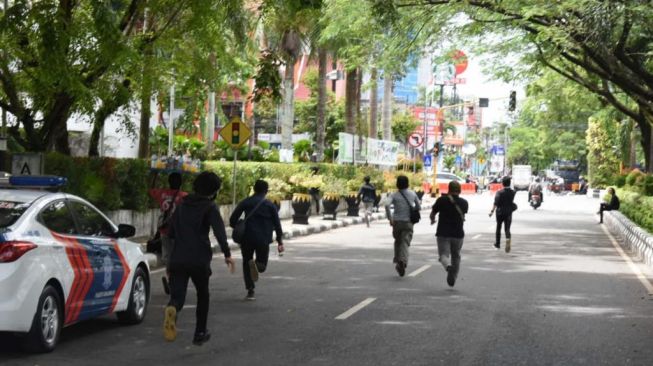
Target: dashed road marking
[[633, 267], [476, 236], [419, 270], [356, 308]]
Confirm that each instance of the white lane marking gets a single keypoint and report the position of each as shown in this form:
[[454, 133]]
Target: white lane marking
[[420, 270], [158, 270], [356, 308], [633, 267], [476, 236]]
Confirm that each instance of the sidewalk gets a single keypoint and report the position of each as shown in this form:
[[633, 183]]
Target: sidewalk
[[316, 225]]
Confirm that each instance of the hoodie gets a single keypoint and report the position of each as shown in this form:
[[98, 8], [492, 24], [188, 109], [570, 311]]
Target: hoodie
[[189, 228]]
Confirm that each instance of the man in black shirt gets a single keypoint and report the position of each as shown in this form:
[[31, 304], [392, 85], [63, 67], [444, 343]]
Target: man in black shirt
[[262, 219], [613, 205], [450, 231], [191, 255], [504, 206]]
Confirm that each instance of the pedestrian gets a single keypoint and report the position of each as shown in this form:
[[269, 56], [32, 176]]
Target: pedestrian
[[403, 201], [610, 206], [450, 233], [262, 218], [168, 199], [315, 192], [191, 256], [367, 194], [504, 206]]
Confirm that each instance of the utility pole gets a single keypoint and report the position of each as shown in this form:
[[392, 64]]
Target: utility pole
[[3, 134], [171, 121]]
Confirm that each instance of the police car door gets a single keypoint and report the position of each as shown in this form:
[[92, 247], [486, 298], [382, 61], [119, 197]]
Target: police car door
[[95, 233]]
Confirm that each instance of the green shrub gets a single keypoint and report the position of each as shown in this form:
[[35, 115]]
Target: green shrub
[[648, 185], [620, 180], [108, 183], [638, 208], [633, 177]]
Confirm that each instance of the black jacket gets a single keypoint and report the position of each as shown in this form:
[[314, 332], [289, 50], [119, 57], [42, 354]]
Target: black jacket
[[190, 230], [367, 193], [450, 223], [614, 203], [259, 227], [504, 200]]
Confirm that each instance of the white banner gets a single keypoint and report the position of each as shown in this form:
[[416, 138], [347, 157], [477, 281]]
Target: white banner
[[368, 151]]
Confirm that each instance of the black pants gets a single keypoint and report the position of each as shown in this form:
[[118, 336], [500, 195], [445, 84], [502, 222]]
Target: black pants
[[262, 253], [506, 221], [199, 274], [604, 207]]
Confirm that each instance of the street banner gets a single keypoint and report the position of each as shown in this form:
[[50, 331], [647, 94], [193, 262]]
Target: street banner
[[368, 151], [496, 164]]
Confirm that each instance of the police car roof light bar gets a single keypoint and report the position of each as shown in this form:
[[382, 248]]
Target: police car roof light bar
[[37, 181]]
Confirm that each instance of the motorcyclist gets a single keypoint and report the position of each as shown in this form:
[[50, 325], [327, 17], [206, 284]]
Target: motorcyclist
[[535, 188]]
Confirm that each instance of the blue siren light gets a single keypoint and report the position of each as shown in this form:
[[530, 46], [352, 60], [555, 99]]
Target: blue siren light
[[37, 181]]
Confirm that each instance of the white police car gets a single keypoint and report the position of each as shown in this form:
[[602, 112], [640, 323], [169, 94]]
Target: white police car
[[62, 261]]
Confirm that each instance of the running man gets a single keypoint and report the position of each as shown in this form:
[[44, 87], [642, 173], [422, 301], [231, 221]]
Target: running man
[[367, 194], [450, 233]]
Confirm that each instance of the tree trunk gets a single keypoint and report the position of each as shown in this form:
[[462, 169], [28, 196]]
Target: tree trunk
[[350, 102], [100, 117], [287, 114], [321, 103], [374, 104], [387, 106], [56, 124], [121, 96], [146, 100]]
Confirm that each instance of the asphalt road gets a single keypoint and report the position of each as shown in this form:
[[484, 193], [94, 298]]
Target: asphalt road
[[563, 296]]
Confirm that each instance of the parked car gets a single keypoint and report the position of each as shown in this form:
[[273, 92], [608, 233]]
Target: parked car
[[444, 177], [63, 261]]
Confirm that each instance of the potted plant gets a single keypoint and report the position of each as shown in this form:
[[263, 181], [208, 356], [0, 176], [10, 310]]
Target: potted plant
[[352, 197], [278, 191], [301, 183], [333, 189]]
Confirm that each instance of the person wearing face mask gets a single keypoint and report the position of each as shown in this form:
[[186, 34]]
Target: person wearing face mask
[[191, 255]]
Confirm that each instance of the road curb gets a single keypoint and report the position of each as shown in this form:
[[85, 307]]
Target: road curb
[[634, 237]]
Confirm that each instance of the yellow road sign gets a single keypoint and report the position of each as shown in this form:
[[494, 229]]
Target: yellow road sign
[[236, 132]]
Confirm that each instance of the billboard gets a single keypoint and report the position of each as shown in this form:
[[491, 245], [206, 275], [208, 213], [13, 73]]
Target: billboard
[[367, 150]]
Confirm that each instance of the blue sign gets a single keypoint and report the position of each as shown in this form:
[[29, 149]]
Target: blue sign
[[427, 161], [459, 159], [497, 150]]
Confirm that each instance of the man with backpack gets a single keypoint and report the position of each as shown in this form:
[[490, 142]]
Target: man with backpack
[[404, 215], [192, 254], [450, 233], [261, 218], [367, 193]]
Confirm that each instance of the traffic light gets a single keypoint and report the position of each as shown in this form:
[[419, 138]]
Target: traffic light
[[512, 104]]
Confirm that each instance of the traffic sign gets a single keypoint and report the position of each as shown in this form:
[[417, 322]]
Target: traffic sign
[[415, 139], [236, 133], [427, 161]]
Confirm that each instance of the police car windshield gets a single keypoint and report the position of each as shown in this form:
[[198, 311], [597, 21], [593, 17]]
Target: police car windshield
[[10, 212]]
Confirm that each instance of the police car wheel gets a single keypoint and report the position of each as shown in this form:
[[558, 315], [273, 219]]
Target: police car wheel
[[47, 323], [138, 299]]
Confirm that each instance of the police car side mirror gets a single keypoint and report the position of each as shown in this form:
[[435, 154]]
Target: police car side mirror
[[125, 231]]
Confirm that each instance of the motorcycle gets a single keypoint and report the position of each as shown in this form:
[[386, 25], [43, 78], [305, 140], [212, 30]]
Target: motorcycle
[[536, 201]]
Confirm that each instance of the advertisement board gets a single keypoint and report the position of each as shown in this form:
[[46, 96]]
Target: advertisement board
[[367, 150]]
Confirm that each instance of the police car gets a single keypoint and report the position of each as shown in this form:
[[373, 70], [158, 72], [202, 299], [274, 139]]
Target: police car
[[62, 261]]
